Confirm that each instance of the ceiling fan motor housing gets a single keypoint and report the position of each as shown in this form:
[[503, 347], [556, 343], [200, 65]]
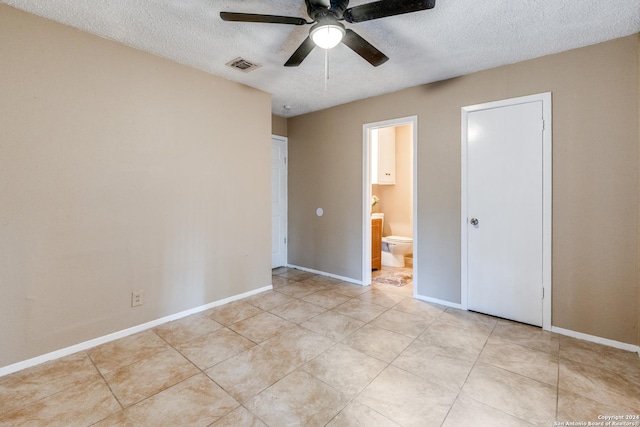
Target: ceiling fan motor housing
[[333, 12]]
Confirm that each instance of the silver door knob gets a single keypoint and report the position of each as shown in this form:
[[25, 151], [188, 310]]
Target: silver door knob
[[474, 221]]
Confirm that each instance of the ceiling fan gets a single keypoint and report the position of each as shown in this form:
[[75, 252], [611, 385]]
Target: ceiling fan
[[328, 32]]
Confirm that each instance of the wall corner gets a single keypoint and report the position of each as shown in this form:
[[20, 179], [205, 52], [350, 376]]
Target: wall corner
[[279, 125]]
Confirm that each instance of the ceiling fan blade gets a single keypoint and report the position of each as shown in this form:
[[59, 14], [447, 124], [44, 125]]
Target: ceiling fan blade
[[363, 48], [301, 53], [384, 8], [269, 19]]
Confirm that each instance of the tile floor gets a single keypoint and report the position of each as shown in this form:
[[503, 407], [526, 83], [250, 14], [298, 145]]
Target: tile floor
[[316, 351]]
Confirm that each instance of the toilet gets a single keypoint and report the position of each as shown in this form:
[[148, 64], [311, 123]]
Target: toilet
[[394, 249]]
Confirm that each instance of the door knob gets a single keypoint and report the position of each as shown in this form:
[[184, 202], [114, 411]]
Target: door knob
[[474, 221]]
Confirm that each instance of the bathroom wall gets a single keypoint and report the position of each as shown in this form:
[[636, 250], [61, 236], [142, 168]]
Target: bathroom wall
[[396, 201], [596, 180], [120, 171]]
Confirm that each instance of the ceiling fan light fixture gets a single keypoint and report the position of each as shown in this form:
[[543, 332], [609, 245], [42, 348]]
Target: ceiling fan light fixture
[[327, 36]]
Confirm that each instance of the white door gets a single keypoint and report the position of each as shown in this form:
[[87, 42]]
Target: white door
[[278, 201], [504, 211]]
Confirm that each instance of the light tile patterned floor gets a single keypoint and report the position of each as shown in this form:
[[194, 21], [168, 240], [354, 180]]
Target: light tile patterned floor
[[316, 351]]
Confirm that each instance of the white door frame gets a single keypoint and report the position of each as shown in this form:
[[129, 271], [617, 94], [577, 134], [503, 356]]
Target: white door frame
[[366, 193], [546, 198], [285, 140]]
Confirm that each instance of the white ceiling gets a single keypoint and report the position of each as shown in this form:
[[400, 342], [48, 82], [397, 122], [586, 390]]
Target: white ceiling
[[457, 37]]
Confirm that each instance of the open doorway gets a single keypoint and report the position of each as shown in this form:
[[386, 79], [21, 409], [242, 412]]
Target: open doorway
[[389, 201]]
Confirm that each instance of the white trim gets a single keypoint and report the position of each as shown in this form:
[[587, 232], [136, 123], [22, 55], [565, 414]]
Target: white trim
[[6, 370], [547, 202], [464, 229], [438, 301], [322, 273], [414, 191], [546, 197], [286, 202], [595, 339], [366, 205], [366, 193]]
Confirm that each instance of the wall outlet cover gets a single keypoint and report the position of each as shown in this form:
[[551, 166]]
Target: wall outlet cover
[[136, 298]]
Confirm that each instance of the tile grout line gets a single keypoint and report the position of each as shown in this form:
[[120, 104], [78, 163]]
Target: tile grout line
[[368, 383], [388, 364], [83, 382], [505, 370], [258, 344], [200, 371], [469, 374], [108, 386]]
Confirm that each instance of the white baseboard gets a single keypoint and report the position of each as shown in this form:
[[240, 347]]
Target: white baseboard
[[597, 340], [322, 273], [438, 301], [557, 330], [6, 370]]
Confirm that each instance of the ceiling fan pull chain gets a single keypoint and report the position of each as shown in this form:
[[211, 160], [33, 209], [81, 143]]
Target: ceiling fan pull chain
[[326, 68]]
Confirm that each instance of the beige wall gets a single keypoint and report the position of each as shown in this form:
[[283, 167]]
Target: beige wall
[[396, 201], [595, 181], [278, 125], [120, 170]]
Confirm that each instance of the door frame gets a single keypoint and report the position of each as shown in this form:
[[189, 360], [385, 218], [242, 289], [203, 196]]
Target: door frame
[[546, 197], [284, 140], [366, 193]]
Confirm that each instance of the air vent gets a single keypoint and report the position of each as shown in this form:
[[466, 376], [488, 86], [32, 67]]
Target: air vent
[[242, 65]]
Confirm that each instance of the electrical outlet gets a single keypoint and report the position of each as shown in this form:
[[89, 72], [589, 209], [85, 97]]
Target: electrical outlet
[[136, 298]]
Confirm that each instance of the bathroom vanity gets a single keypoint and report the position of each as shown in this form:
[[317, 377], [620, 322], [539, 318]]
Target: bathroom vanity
[[376, 243]]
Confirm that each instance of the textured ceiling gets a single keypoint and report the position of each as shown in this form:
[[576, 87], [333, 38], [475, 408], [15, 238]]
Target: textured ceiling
[[457, 37]]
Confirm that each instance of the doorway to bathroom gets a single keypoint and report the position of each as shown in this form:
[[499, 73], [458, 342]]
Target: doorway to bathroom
[[389, 202]]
